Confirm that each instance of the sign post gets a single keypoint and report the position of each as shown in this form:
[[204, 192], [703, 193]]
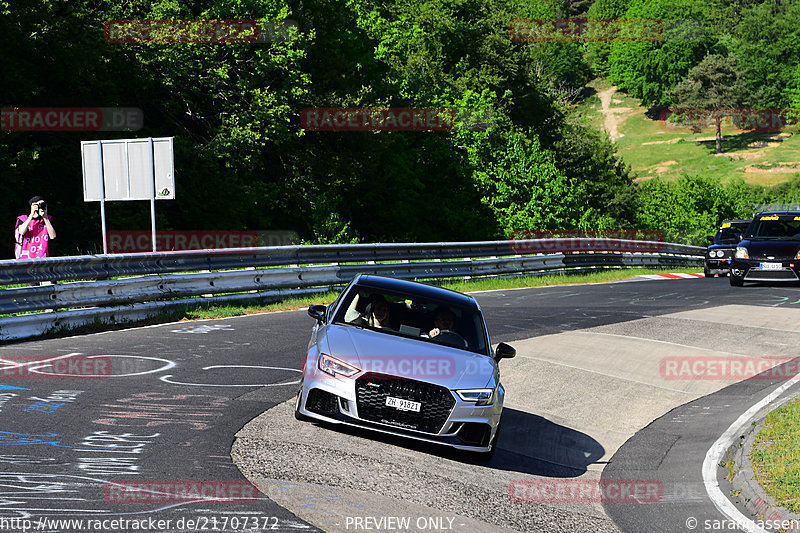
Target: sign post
[[128, 169]]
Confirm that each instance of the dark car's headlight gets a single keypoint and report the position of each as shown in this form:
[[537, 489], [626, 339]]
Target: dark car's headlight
[[741, 253], [331, 365], [479, 396]]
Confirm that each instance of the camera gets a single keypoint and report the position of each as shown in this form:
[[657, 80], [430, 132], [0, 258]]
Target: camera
[[42, 205]]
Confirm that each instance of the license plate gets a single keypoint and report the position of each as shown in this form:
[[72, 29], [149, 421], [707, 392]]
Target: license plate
[[771, 266], [403, 405]]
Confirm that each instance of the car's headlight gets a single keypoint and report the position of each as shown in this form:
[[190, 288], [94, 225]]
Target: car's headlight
[[741, 253], [331, 365], [479, 396], [714, 253], [797, 255]]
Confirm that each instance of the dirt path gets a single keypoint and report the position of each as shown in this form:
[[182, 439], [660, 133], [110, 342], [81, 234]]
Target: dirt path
[[612, 120]]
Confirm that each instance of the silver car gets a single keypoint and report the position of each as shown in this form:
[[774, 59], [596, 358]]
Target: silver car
[[407, 359]]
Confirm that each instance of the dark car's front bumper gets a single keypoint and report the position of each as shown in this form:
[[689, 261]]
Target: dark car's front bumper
[[717, 266], [758, 269]]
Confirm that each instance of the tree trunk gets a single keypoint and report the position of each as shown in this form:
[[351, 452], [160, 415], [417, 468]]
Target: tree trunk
[[719, 134]]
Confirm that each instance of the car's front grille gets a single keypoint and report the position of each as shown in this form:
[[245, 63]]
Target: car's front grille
[[436, 402], [768, 275]]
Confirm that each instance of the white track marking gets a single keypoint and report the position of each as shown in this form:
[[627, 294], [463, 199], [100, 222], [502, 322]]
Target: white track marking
[[715, 454]]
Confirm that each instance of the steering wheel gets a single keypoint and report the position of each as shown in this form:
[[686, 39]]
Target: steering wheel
[[451, 337]]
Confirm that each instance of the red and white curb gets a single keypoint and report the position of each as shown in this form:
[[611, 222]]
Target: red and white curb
[[680, 275]]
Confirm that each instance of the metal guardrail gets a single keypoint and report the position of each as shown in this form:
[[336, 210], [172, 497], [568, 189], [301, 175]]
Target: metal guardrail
[[153, 284]]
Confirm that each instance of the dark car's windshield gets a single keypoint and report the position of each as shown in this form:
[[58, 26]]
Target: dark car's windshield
[[429, 320], [729, 232], [775, 227]]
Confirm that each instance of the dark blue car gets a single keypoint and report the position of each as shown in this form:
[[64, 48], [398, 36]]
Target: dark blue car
[[722, 246]]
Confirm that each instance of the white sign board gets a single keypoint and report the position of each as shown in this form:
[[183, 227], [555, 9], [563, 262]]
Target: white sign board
[[127, 172]]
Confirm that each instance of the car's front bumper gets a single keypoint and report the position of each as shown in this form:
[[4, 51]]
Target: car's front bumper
[[718, 266], [760, 269], [462, 425]]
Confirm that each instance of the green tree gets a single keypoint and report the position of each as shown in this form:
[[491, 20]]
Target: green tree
[[691, 207], [648, 70], [766, 41], [526, 191], [715, 88], [597, 52]]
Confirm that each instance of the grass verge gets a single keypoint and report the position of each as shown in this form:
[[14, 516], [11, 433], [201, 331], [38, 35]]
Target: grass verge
[[776, 456]]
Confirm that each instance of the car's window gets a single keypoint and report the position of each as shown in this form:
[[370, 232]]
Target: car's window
[[406, 315], [775, 227], [729, 233]]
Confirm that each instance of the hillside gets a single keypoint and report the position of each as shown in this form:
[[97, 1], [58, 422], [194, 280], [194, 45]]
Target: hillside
[[655, 149]]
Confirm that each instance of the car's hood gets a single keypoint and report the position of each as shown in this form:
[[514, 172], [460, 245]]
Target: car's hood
[[385, 353], [776, 248]]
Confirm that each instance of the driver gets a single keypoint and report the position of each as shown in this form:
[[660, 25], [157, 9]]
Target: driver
[[443, 320]]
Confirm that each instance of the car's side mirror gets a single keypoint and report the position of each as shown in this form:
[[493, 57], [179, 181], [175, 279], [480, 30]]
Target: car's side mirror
[[710, 239], [504, 351], [317, 312]]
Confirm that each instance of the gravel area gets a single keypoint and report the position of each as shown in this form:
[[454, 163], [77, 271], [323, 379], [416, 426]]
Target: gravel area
[[275, 447]]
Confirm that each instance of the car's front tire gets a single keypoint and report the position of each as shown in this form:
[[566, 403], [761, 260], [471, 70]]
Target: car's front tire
[[706, 273], [736, 281]]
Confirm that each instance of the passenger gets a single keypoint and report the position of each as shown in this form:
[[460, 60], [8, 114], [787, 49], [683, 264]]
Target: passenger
[[378, 312]]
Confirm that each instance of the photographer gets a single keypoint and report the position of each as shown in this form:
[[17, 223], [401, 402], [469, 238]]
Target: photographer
[[34, 231]]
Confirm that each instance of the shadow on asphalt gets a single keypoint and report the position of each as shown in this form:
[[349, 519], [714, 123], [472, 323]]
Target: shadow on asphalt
[[531, 444], [528, 444]]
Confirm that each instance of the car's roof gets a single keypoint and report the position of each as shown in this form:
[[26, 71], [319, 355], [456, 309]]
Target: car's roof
[[414, 288], [788, 212]]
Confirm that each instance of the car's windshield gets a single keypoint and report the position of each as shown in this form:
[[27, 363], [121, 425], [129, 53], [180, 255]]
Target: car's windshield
[[406, 315], [729, 232], [775, 227]]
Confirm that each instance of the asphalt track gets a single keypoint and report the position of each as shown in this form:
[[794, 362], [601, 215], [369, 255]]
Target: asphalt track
[[160, 406]]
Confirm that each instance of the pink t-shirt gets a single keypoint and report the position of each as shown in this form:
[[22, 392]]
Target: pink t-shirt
[[33, 244]]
